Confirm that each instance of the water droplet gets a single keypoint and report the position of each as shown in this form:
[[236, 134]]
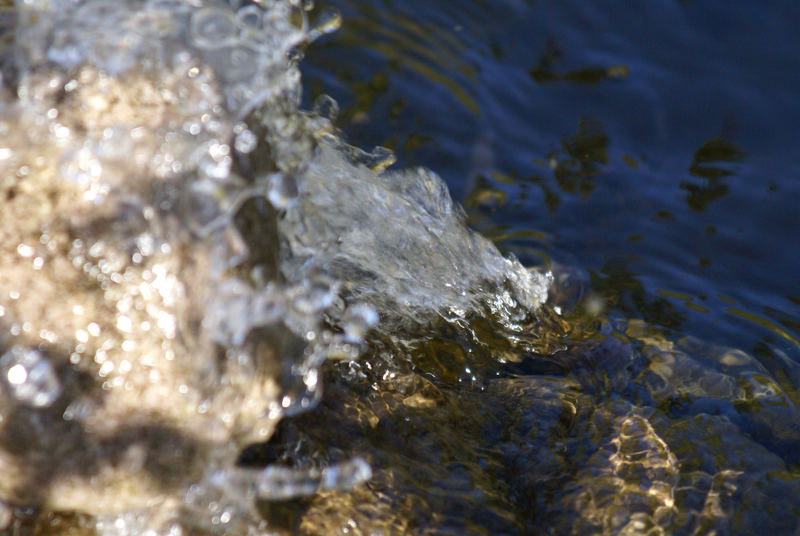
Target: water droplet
[[276, 482], [124, 324], [217, 169], [329, 20], [25, 250], [326, 106], [281, 191], [315, 296], [357, 320], [346, 475], [379, 159], [17, 375], [30, 377], [82, 336]]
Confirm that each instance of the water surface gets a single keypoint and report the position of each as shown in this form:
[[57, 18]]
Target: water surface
[[651, 147], [646, 153]]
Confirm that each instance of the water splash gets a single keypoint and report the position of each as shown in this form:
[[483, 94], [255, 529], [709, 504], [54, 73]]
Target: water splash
[[182, 249]]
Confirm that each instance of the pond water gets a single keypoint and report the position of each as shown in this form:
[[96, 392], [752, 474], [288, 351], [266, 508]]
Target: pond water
[[218, 315], [646, 153]]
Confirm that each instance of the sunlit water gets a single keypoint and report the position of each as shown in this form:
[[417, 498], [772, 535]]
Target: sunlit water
[[220, 318]]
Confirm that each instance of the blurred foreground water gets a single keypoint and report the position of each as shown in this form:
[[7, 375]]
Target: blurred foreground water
[[219, 317]]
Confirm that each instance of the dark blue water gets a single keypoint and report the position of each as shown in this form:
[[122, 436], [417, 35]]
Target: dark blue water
[[651, 146], [648, 151]]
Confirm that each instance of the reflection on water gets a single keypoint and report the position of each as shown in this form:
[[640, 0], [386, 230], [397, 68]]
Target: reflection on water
[[583, 153], [624, 290]]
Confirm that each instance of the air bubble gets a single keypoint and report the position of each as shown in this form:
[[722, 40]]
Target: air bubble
[[249, 19], [245, 142], [213, 28], [236, 64], [30, 377]]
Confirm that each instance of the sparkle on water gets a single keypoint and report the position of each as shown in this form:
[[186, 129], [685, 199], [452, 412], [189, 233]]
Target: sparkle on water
[[183, 249]]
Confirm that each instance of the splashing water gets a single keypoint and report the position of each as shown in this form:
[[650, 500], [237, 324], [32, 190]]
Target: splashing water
[[182, 248]]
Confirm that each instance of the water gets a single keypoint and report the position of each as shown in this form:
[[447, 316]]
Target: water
[[645, 153], [669, 124], [220, 318]]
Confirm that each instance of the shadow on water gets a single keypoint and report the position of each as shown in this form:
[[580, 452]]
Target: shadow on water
[[709, 166], [546, 71]]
